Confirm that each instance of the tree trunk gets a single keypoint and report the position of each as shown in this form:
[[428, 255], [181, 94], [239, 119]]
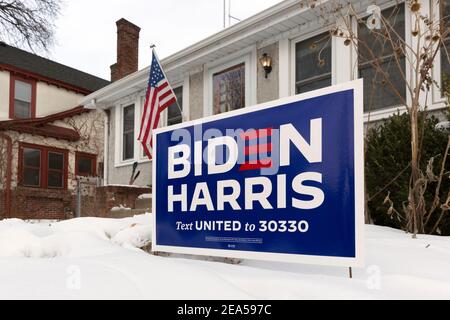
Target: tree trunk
[[415, 202], [367, 217]]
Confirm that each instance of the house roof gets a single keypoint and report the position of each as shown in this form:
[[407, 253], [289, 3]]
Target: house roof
[[14, 59], [44, 126], [48, 131], [285, 20], [221, 44]]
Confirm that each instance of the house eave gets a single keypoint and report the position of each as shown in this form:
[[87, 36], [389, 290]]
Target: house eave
[[283, 19], [137, 81]]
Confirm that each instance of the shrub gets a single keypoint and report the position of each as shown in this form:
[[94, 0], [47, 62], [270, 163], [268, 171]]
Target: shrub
[[388, 157]]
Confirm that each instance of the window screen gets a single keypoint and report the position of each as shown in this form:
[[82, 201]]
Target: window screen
[[313, 63]]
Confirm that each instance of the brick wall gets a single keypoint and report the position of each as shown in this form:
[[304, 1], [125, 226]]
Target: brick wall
[[115, 196], [31, 203], [2, 204], [92, 206]]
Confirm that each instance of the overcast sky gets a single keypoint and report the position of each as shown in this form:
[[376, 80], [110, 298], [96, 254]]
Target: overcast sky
[[86, 31]]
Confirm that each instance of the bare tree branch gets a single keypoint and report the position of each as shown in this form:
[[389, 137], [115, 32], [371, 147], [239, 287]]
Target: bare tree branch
[[29, 23], [388, 52]]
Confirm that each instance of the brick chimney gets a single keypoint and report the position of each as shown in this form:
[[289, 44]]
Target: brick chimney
[[127, 50]]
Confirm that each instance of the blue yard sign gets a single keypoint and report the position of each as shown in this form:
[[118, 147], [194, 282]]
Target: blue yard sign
[[281, 181]]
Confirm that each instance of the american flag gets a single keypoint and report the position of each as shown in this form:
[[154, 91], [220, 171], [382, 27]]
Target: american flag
[[159, 97]]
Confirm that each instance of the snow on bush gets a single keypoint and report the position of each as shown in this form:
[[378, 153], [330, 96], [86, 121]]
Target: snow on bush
[[134, 236], [75, 237]]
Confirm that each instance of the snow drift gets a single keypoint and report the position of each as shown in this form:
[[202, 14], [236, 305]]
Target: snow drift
[[93, 258], [60, 239]]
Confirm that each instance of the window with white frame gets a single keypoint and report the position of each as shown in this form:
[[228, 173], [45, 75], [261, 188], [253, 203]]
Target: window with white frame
[[143, 156], [173, 115], [229, 89], [128, 134], [377, 58], [174, 112], [313, 63], [445, 51]]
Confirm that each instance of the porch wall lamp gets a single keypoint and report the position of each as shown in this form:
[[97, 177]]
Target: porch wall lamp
[[266, 62]]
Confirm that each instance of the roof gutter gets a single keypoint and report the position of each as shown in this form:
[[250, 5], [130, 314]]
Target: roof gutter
[[35, 76], [287, 8], [138, 79]]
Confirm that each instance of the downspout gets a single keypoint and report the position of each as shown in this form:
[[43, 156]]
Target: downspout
[[8, 174], [106, 148]]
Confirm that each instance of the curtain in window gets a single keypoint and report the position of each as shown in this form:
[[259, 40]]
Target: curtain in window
[[229, 89]]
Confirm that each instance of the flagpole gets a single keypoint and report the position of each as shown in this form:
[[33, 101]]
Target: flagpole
[[153, 46]]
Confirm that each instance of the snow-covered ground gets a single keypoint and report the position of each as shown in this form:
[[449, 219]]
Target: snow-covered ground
[[93, 258]]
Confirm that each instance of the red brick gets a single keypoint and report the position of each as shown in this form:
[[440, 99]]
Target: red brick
[[127, 50], [32, 203]]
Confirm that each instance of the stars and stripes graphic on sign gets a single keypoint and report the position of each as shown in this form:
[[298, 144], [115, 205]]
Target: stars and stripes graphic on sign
[[258, 149], [159, 97]]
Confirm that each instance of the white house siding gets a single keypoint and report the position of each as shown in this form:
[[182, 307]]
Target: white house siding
[[268, 89], [280, 83], [196, 96], [120, 174]]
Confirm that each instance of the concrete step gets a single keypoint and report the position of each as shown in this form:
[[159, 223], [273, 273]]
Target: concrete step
[[143, 204], [123, 213]]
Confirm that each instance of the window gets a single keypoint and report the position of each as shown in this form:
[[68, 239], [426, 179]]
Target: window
[[43, 167], [85, 164], [445, 52], [174, 115], [229, 89], [55, 170], [313, 63], [22, 100], [31, 167], [128, 133], [378, 93]]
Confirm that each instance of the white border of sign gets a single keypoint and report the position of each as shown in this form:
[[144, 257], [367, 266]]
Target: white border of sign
[[357, 86]]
